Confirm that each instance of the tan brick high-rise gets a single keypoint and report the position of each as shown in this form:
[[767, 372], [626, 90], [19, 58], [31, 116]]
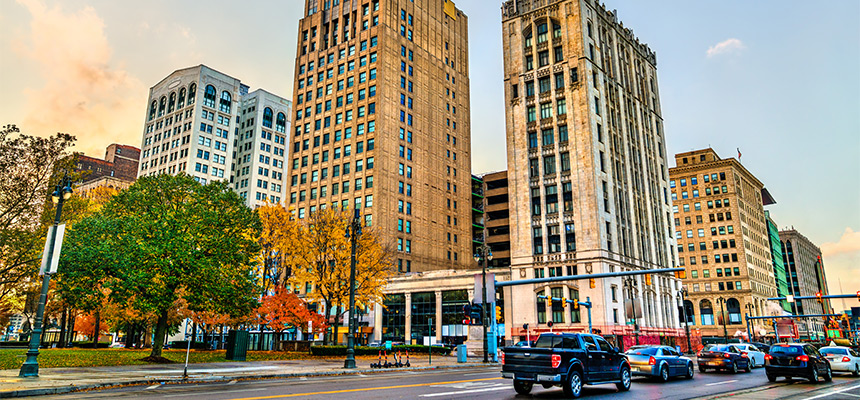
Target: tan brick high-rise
[[382, 124], [723, 242], [586, 167]]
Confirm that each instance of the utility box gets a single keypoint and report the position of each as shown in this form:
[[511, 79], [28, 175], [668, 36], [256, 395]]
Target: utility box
[[237, 345], [461, 353]]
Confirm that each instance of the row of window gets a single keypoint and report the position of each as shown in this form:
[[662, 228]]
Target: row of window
[[339, 118], [722, 230], [694, 180], [698, 206], [317, 175], [346, 133], [168, 103], [724, 258]]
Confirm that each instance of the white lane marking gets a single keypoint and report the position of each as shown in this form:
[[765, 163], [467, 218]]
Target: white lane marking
[[208, 393], [303, 378], [832, 393], [489, 389], [720, 383], [482, 373], [153, 387]]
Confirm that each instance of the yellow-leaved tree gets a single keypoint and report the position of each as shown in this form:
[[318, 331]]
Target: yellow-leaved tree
[[321, 256]]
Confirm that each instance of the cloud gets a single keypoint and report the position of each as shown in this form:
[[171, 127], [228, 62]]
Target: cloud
[[727, 46], [84, 92], [847, 244]]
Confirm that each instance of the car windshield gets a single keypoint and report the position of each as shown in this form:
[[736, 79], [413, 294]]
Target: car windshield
[[831, 350], [713, 347], [785, 350], [647, 351]]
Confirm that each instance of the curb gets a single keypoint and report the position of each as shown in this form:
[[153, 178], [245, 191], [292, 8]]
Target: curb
[[212, 379]]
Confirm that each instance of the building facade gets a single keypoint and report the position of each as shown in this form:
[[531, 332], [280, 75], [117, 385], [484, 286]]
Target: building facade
[[382, 101], [780, 275], [723, 242], [118, 170], [802, 259], [498, 230], [205, 123], [587, 173], [259, 171]]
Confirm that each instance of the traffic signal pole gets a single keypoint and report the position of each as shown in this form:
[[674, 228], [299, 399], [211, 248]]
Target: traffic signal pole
[[587, 276], [576, 304]]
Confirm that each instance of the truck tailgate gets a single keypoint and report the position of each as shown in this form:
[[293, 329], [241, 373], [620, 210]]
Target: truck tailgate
[[526, 362]]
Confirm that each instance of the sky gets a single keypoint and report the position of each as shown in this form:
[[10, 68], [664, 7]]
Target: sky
[[777, 79]]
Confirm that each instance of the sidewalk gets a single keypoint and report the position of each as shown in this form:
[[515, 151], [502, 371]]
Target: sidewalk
[[64, 380]]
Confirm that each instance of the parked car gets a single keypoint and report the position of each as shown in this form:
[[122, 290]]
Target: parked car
[[569, 360], [755, 354], [524, 343], [117, 345], [842, 359], [660, 362], [763, 347], [797, 360], [723, 356]]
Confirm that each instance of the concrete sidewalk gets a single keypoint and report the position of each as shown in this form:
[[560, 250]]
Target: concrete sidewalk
[[64, 380]]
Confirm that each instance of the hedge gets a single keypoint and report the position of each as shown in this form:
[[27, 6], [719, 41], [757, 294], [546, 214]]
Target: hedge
[[372, 351], [183, 344], [15, 343], [89, 345]]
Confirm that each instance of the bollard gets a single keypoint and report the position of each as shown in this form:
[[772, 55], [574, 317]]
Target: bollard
[[407, 358]]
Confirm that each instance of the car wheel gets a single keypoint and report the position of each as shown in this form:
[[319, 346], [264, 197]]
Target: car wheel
[[734, 368], [573, 386], [664, 374], [750, 365], [522, 387], [814, 377], [702, 369], [856, 370], [771, 378], [690, 371], [828, 377], [624, 385]]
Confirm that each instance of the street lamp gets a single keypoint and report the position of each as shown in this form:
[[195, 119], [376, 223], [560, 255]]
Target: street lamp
[[482, 256], [686, 318], [355, 226], [631, 283], [722, 301], [750, 334], [30, 368]]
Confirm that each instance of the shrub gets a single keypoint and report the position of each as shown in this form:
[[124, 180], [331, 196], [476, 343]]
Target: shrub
[[372, 351], [89, 345], [183, 344], [15, 343]]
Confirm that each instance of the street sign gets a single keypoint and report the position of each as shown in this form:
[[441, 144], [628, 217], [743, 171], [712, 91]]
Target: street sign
[[789, 298], [491, 288], [55, 257]]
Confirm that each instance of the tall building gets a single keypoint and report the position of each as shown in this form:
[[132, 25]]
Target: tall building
[[205, 123], [779, 271], [382, 113], [723, 241], [498, 230], [117, 170], [802, 259], [587, 172], [258, 170]]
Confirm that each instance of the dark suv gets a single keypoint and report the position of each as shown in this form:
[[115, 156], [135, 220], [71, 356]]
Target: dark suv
[[796, 359]]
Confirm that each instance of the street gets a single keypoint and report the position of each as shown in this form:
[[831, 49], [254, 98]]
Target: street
[[482, 384]]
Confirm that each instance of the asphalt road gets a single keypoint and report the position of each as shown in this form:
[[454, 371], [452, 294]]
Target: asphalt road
[[480, 384]]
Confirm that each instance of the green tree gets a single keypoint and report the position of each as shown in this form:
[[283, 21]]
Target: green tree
[[27, 165], [164, 239]]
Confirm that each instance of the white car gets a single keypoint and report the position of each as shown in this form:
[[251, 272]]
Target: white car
[[842, 359], [755, 355]]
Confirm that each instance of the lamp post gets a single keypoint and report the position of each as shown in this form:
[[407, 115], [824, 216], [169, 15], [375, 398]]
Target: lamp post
[[483, 255], [355, 226], [630, 282], [722, 301], [750, 334], [30, 368], [686, 318]]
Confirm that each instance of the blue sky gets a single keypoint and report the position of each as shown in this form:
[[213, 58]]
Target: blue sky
[[784, 86]]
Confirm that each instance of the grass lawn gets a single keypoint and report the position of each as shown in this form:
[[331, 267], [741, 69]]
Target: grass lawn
[[53, 358]]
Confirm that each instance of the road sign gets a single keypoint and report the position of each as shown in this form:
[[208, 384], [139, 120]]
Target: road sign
[[55, 257], [789, 298], [491, 288]]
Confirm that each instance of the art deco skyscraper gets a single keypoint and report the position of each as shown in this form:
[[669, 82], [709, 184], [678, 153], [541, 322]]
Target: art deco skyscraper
[[382, 124], [587, 169]]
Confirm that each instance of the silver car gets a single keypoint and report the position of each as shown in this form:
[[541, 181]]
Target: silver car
[[842, 359], [661, 362], [755, 355]]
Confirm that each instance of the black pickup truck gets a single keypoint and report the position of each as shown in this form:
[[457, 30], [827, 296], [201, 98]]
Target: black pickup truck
[[569, 360]]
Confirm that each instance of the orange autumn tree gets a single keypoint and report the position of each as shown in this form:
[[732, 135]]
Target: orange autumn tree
[[284, 308]]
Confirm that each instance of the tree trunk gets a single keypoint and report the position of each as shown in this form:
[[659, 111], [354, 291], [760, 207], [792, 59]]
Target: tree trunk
[[73, 315], [147, 337], [63, 321], [129, 335], [97, 329], [335, 329], [160, 330], [326, 336], [193, 334]]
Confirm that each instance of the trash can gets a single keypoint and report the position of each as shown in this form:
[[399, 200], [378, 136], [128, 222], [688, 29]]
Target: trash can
[[237, 345], [461, 353]]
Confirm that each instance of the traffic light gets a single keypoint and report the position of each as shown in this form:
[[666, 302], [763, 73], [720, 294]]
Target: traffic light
[[858, 295], [499, 316], [467, 310], [647, 279], [818, 295], [681, 274], [549, 324], [563, 302], [576, 304], [591, 283]]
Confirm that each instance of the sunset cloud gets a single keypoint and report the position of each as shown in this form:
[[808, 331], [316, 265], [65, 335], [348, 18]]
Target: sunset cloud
[[83, 91], [847, 244], [727, 46]]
